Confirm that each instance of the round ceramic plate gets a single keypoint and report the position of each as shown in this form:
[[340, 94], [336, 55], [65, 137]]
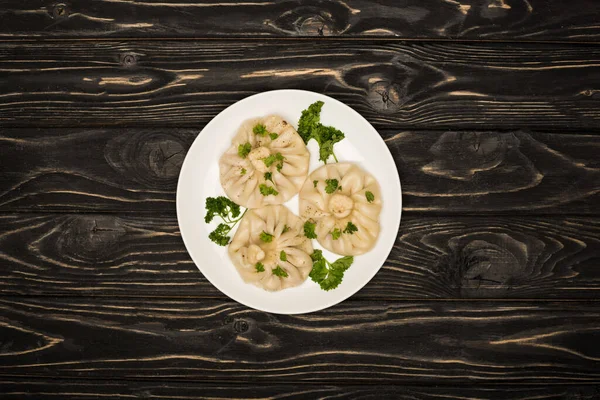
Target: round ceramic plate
[[199, 179]]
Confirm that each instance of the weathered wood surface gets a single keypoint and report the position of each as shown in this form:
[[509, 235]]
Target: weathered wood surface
[[127, 170], [432, 342], [394, 85], [440, 258], [575, 20], [35, 388]]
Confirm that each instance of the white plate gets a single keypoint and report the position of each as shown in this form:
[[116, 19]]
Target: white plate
[[199, 179]]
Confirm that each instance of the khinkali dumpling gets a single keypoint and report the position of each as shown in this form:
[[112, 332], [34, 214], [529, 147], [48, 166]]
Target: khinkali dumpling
[[267, 163], [270, 250], [344, 201]]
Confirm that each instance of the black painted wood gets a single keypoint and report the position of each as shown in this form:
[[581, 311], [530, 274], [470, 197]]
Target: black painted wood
[[203, 340], [52, 388], [576, 20], [393, 84], [96, 287], [438, 258], [458, 172]]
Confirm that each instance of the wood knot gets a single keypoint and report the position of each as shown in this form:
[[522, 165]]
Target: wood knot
[[128, 60], [482, 264], [324, 19], [460, 155], [240, 326], [60, 11], [316, 26], [89, 238], [386, 96], [149, 157]]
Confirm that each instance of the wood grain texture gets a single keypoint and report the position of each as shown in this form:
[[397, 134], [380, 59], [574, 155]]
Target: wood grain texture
[[445, 343], [394, 85], [438, 258], [125, 170], [576, 20], [34, 388]]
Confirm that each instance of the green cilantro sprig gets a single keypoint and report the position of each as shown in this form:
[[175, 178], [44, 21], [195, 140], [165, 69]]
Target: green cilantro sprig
[[331, 185], [310, 127], [309, 230], [350, 228], [274, 158], [328, 275], [260, 130], [244, 149], [370, 196], [228, 211], [336, 233], [266, 237], [280, 272], [267, 190]]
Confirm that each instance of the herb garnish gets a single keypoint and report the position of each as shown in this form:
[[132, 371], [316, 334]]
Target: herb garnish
[[309, 230], [260, 130], [244, 149], [267, 190], [270, 160], [310, 127], [331, 185], [370, 197], [259, 267], [266, 237], [280, 272], [328, 275], [336, 233], [228, 211], [350, 228]]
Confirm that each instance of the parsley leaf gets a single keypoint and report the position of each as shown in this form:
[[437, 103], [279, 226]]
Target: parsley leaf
[[315, 183], [243, 171], [285, 229], [270, 160], [267, 190], [219, 235], [266, 237], [260, 130], [227, 211], [332, 185], [310, 127], [329, 275], [269, 177], [309, 230], [309, 120], [283, 256], [280, 272], [336, 233], [259, 267], [370, 197], [220, 206], [350, 228], [244, 149], [273, 136]]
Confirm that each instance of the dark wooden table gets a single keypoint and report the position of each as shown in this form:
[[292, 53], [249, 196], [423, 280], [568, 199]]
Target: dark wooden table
[[491, 109]]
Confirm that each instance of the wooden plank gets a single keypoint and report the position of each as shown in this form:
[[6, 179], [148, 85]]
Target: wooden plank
[[490, 19], [122, 170], [34, 388], [424, 343], [393, 84], [439, 258]]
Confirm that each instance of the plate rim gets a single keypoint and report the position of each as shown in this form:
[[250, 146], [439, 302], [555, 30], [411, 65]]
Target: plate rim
[[179, 206]]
